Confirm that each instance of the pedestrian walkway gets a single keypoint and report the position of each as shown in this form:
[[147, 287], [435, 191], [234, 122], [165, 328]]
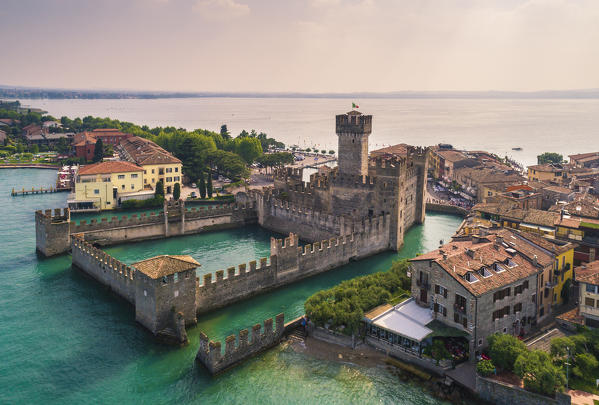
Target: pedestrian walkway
[[464, 374], [582, 398]]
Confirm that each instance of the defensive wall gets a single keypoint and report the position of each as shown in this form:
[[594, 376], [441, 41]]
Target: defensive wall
[[500, 393], [163, 305], [211, 356], [289, 262], [53, 230], [446, 209]]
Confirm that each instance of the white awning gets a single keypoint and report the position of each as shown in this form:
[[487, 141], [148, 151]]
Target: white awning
[[407, 319]]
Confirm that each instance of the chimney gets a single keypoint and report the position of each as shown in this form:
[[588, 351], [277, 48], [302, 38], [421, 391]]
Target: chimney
[[470, 252], [534, 260], [499, 240]]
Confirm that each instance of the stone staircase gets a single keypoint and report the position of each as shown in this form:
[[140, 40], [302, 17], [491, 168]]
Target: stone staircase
[[298, 335]]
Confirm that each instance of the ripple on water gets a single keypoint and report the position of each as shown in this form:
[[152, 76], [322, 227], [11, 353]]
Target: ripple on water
[[67, 340]]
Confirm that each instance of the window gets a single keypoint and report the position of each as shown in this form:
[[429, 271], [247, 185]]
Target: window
[[153, 180], [121, 176], [122, 186], [518, 307], [176, 178], [169, 179], [591, 288], [152, 172], [480, 342], [134, 176], [499, 295], [589, 302], [439, 289], [132, 186], [97, 191], [542, 311], [176, 170]]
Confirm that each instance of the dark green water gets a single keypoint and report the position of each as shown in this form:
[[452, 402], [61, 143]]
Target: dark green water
[[65, 339]]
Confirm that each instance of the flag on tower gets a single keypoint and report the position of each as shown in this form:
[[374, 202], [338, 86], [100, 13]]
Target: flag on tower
[[354, 105]]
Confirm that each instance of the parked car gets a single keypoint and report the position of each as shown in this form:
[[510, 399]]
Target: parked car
[[193, 185], [193, 195]]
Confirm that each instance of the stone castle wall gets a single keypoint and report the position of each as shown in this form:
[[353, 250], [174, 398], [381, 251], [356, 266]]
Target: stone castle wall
[[290, 262], [211, 356], [53, 231], [499, 393], [109, 271]]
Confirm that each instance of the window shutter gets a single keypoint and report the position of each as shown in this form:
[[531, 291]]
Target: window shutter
[[445, 293], [436, 288], [444, 311]]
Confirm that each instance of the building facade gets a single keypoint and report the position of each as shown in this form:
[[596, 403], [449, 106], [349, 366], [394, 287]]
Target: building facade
[[104, 185], [588, 279], [483, 284], [157, 163]]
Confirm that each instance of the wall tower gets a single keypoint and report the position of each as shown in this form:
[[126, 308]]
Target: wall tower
[[353, 130]]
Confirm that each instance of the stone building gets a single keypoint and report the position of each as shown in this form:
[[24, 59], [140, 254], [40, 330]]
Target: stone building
[[484, 284], [588, 279], [360, 187]]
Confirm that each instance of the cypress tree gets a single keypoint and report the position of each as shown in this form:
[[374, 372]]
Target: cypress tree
[[202, 185], [209, 185], [176, 191], [98, 151]]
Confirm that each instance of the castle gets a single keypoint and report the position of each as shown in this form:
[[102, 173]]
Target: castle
[[357, 190], [362, 207]]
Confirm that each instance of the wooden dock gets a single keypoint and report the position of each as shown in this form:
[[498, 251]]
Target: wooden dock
[[41, 190]]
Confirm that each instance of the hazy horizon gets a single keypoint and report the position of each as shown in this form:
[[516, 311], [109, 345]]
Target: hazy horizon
[[301, 46]]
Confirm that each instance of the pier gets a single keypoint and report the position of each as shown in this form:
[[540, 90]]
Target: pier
[[41, 190]]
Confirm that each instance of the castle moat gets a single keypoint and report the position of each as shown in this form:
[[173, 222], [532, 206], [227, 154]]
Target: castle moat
[[68, 340]]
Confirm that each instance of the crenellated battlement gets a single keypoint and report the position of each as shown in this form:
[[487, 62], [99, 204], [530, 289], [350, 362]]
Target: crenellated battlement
[[210, 353], [53, 216], [112, 272], [234, 275]]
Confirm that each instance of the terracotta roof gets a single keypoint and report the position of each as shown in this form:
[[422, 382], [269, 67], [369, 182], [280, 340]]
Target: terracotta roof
[[555, 247], [572, 316], [546, 167], [587, 206], [469, 256], [588, 273], [164, 265], [558, 189], [145, 152], [109, 167], [399, 150], [452, 155], [583, 155]]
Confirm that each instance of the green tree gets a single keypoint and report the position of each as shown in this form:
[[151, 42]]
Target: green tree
[[209, 185], [159, 190], [248, 148], [439, 351], [485, 368], [585, 366], [202, 185], [20, 148], [565, 293], [176, 191], [504, 350], [35, 149], [224, 132], [549, 157], [538, 373], [228, 164], [98, 151]]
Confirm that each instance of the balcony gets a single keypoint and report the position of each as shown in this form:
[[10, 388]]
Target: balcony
[[459, 309]]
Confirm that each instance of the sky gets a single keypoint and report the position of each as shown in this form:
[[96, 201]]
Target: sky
[[301, 45]]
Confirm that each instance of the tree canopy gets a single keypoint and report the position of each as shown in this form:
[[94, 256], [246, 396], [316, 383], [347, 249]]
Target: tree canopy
[[504, 350], [549, 157], [538, 373], [342, 307]]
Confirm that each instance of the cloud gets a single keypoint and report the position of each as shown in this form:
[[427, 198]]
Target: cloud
[[221, 9]]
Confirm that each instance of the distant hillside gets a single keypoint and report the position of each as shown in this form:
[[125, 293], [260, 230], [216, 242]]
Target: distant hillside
[[18, 92]]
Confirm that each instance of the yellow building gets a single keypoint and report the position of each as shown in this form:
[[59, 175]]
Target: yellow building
[[104, 185], [157, 163], [547, 173]]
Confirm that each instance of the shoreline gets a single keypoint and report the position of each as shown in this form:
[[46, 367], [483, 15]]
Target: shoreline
[[369, 357], [29, 166]]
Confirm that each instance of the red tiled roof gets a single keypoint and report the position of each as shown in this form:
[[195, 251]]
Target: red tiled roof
[[468, 256], [588, 273], [109, 167]]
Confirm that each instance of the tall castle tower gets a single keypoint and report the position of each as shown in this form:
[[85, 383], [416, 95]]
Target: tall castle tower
[[353, 130]]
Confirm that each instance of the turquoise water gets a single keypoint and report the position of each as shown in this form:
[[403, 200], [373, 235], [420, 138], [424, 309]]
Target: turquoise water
[[65, 339]]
